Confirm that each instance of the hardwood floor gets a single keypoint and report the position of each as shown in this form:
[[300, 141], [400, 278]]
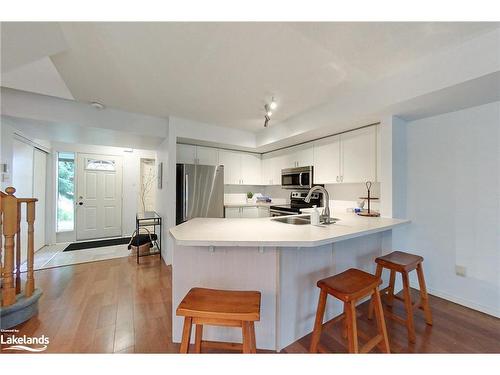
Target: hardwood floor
[[115, 306]]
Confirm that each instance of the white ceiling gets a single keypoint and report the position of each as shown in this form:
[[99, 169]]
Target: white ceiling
[[221, 73]]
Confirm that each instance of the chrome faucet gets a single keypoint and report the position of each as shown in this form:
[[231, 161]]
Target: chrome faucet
[[325, 215]]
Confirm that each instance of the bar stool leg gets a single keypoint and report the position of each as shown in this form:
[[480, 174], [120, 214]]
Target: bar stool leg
[[352, 330], [197, 338], [409, 307], [186, 335], [344, 325], [379, 314], [378, 273], [253, 344], [424, 298], [318, 323], [390, 292], [246, 337]]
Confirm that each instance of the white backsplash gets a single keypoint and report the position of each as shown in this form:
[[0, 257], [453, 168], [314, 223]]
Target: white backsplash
[[342, 196]]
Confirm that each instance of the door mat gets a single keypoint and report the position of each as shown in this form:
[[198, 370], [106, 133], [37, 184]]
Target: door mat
[[100, 243]]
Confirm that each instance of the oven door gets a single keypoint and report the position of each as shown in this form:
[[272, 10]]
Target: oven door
[[297, 178]]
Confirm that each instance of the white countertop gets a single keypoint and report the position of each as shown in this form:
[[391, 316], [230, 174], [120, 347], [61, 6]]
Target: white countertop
[[266, 232], [244, 204]]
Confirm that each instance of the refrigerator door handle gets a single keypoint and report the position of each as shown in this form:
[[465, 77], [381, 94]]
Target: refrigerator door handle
[[186, 195]]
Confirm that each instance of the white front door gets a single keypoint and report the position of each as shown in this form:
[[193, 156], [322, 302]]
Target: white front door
[[99, 196]]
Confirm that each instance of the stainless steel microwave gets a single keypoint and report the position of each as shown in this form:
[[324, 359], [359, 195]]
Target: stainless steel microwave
[[297, 178]]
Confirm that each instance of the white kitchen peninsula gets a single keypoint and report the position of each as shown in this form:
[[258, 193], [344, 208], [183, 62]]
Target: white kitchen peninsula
[[282, 261]]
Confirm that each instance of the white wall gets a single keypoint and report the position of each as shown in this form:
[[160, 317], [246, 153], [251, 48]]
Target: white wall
[[131, 178], [453, 202]]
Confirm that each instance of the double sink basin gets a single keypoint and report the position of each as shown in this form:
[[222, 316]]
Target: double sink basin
[[299, 220]]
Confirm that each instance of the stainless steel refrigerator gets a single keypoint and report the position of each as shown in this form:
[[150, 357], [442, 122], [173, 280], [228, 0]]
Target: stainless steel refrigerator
[[199, 191]]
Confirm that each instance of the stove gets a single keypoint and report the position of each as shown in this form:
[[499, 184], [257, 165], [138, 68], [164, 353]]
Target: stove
[[297, 202]]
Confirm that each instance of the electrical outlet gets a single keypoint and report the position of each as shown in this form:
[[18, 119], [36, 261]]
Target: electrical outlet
[[460, 271]]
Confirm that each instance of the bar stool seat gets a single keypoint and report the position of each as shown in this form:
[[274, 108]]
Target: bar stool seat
[[350, 286], [403, 263], [202, 306], [400, 261]]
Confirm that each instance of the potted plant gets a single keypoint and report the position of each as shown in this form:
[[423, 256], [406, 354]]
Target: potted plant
[[249, 197]]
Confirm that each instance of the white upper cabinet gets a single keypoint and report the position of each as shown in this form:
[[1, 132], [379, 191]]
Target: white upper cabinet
[[359, 155], [350, 157], [250, 169], [298, 156], [186, 154], [206, 156], [232, 167], [326, 154], [240, 168], [271, 169]]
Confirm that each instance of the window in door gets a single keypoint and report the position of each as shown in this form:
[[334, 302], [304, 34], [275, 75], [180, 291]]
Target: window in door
[[65, 191]]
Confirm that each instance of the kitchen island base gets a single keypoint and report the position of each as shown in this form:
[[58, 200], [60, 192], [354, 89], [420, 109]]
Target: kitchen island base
[[285, 276]]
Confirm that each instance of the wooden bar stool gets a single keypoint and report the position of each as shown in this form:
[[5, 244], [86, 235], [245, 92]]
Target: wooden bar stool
[[350, 286], [219, 308], [403, 263]]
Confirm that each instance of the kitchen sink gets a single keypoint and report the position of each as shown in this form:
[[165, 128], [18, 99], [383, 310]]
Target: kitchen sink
[[298, 220]]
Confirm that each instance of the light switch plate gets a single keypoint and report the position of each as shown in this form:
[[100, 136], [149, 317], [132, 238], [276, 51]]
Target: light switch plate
[[460, 271]]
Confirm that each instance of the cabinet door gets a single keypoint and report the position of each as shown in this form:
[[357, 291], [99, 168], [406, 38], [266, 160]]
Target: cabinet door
[[186, 154], [327, 161], [264, 212], [206, 155], [288, 159], [358, 152], [303, 155], [267, 170], [250, 169], [232, 167], [250, 212], [233, 212]]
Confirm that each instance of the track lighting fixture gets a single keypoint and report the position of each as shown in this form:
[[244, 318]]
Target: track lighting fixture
[[269, 111]]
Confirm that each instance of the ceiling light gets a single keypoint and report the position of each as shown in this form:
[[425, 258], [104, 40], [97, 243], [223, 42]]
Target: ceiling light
[[273, 104], [97, 105], [269, 107]]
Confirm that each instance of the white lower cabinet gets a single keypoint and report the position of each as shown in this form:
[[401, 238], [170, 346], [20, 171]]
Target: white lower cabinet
[[249, 212], [242, 212], [232, 212], [264, 212]]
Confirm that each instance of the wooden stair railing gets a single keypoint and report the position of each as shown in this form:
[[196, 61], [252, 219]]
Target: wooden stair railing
[[10, 246]]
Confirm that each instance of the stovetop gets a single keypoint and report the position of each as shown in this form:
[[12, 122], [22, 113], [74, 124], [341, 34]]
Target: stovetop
[[297, 202]]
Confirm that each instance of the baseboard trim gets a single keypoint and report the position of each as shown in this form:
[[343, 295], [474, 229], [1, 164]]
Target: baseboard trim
[[464, 302]]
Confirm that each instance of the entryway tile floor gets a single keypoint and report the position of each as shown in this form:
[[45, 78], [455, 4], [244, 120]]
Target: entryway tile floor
[[53, 255]]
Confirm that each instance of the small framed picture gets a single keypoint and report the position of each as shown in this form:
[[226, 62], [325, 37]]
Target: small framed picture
[[160, 175]]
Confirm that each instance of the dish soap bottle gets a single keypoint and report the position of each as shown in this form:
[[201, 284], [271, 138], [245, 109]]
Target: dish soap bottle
[[315, 216]]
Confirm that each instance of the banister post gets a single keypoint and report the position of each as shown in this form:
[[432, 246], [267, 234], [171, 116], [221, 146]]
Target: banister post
[[30, 218], [9, 205], [18, 249]]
